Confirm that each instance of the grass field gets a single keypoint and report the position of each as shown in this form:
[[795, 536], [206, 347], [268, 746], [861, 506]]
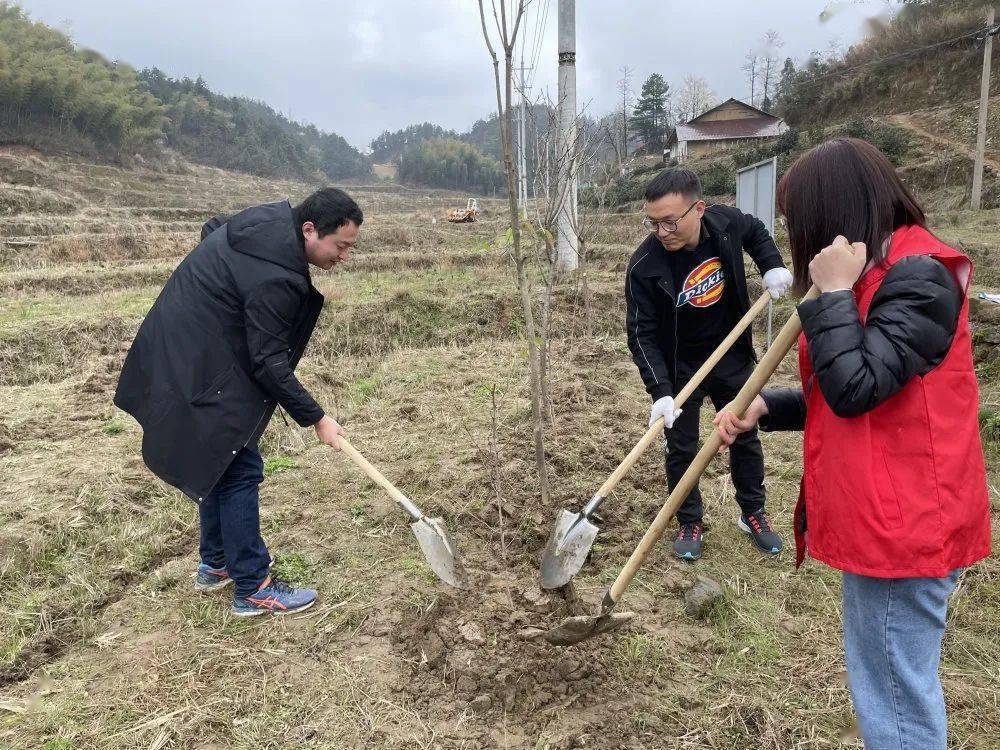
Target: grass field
[[419, 353]]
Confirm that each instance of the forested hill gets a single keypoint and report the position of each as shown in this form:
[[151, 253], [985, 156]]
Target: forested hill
[[930, 53], [246, 135], [57, 96]]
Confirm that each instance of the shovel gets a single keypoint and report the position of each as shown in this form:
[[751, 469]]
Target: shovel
[[431, 535], [574, 533], [576, 629]]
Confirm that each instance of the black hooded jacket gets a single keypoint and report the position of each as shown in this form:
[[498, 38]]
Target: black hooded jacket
[[218, 349], [651, 300]]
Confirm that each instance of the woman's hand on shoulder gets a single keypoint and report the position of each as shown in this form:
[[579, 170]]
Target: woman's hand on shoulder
[[839, 265]]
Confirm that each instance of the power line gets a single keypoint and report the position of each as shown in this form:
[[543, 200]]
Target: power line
[[541, 20], [523, 36], [534, 37]]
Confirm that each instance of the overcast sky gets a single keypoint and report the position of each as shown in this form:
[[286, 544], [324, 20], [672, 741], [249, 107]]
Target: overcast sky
[[358, 68]]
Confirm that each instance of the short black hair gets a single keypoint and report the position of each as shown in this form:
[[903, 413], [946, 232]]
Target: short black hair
[[328, 209], [682, 181]]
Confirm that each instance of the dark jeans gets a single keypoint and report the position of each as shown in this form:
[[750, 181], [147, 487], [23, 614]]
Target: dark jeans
[[230, 524], [746, 456]]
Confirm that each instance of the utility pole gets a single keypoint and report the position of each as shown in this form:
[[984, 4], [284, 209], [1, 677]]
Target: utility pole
[[567, 242], [984, 102], [522, 144]]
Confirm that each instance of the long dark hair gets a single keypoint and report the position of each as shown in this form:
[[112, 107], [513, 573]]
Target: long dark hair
[[844, 186]]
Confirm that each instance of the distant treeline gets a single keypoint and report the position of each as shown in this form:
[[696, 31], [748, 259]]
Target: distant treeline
[[55, 95], [451, 163], [428, 154], [246, 135]]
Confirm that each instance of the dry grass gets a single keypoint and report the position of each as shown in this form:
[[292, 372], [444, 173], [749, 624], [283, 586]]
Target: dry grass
[[419, 353]]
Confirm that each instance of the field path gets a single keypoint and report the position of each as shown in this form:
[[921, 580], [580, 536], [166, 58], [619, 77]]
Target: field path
[[908, 122]]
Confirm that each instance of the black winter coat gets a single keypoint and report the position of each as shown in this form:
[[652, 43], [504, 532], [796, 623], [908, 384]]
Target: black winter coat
[[651, 300], [909, 330], [217, 351]]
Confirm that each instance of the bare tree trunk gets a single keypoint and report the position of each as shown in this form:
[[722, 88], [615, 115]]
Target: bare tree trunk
[[534, 363], [545, 340], [626, 90], [616, 147], [585, 290], [508, 38], [767, 80], [495, 471]]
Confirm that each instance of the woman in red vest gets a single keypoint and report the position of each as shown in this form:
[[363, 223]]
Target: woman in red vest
[[894, 484]]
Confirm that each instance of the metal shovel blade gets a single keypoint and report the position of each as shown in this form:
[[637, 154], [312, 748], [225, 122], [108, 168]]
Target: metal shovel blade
[[440, 551], [567, 550], [580, 628]]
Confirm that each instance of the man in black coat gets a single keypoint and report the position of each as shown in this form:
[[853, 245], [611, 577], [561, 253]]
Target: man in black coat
[[685, 289], [214, 357]]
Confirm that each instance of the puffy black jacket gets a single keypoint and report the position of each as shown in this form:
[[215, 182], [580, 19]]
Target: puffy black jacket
[[908, 333], [217, 351], [651, 300]]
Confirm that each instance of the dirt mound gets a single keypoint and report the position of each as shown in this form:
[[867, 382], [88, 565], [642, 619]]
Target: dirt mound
[[472, 651]]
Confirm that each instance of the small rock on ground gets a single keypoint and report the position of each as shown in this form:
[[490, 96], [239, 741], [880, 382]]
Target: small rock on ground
[[699, 598]]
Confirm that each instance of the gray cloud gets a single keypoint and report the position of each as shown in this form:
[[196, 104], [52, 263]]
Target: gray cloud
[[361, 68]]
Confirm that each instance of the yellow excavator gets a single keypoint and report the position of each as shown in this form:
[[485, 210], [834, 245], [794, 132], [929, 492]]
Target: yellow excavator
[[464, 215]]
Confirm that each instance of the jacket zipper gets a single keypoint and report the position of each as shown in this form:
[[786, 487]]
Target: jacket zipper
[[673, 304], [673, 310]]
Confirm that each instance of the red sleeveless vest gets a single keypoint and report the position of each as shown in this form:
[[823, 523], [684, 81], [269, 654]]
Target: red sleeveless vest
[[899, 492]]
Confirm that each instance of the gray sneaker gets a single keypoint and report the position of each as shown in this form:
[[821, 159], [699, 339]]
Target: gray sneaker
[[758, 526], [212, 579], [687, 543], [275, 597]]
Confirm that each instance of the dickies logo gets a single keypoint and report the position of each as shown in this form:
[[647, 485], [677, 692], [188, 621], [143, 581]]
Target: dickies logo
[[703, 287]]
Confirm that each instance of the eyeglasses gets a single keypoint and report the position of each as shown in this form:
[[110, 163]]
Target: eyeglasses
[[667, 225]]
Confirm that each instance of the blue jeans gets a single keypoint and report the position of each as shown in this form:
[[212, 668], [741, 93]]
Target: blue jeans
[[892, 643], [230, 524]]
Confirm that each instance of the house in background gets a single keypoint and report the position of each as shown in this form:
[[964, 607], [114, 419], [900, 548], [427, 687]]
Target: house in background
[[732, 123]]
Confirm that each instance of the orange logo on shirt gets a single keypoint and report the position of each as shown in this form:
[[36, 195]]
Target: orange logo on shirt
[[704, 286]]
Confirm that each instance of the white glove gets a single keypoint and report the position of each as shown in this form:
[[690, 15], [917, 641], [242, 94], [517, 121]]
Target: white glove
[[664, 407], [777, 281]]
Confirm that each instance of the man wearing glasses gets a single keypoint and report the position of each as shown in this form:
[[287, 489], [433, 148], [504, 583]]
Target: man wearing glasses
[[685, 289]]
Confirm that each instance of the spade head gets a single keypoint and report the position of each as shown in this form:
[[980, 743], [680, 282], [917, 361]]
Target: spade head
[[440, 551], [567, 550], [580, 628]]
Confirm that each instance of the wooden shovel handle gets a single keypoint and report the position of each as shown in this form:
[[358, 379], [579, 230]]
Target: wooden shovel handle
[[657, 429], [783, 343], [376, 476]]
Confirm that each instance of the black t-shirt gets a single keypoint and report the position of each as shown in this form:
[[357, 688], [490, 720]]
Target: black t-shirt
[[701, 289]]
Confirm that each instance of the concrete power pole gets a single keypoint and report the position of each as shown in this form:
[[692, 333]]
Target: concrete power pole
[[567, 243], [984, 101]]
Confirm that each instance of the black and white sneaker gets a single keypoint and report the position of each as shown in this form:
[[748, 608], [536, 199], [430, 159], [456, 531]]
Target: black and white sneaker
[[758, 526]]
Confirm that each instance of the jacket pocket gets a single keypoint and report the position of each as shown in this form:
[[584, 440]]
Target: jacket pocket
[[221, 417], [889, 504], [218, 388]]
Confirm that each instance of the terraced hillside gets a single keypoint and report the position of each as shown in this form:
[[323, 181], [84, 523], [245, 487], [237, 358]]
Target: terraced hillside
[[103, 642]]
